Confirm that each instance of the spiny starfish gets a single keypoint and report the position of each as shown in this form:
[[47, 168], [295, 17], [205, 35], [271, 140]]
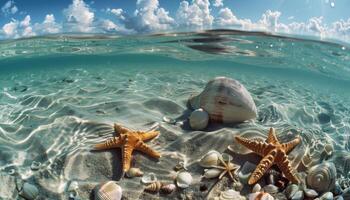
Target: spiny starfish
[[273, 152], [129, 140], [227, 167]]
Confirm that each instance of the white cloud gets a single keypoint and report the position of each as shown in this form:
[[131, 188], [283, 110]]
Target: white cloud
[[218, 3], [194, 16], [79, 17], [117, 12], [10, 29], [26, 21], [9, 8], [108, 25], [48, 26], [227, 19], [28, 32], [269, 20]]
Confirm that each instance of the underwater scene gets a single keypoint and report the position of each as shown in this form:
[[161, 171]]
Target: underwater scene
[[217, 114]]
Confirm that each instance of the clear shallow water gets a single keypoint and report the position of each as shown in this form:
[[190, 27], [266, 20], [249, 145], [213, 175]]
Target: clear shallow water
[[59, 94]]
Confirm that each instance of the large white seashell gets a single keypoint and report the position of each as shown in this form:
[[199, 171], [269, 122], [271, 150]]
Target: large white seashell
[[226, 100], [149, 178], [183, 179], [212, 173], [29, 191], [108, 191], [199, 119], [210, 159], [231, 195], [260, 196], [322, 177], [134, 172]]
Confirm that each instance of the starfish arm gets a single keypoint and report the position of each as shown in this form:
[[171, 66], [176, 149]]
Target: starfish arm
[[272, 138], [287, 147], [222, 174], [231, 176], [120, 129], [114, 142], [284, 165], [263, 166], [146, 149], [126, 156], [258, 147], [148, 135]]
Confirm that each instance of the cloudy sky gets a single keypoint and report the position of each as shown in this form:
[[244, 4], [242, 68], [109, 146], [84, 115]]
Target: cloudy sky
[[320, 18]]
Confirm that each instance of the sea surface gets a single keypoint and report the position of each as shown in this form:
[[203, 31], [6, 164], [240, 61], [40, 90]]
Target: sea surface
[[60, 94]]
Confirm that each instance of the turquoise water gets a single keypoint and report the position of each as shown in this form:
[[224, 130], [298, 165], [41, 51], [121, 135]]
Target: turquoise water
[[59, 94]]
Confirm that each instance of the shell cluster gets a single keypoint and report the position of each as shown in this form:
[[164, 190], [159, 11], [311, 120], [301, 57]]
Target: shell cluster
[[225, 100], [160, 187]]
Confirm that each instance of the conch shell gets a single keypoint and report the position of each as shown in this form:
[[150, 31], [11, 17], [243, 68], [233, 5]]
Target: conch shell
[[322, 177], [226, 100]]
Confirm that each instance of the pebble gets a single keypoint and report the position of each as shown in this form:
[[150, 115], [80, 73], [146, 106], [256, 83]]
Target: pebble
[[35, 165], [29, 191], [327, 196], [256, 188], [299, 195]]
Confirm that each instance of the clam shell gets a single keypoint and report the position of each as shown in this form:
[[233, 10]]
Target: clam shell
[[134, 172], [168, 188], [210, 159], [230, 195], [199, 119], [260, 196], [154, 187], [29, 191], [108, 191], [322, 177], [212, 173], [149, 178], [183, 179], [226, 100]]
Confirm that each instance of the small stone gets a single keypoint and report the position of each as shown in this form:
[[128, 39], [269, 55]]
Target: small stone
[[199, 119], [327, 196], [35, 165], [29, 191], [299, 195], [256, 188], [291, 190], [310, 193]]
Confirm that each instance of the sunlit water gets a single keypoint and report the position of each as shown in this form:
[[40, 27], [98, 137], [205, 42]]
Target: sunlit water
[[60, 94]]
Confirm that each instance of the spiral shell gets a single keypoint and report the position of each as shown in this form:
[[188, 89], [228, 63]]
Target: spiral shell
[[154, 187], [108, 191], [231, 195], [212, 173], [134, 172], [210, 159], [168, 188], [226, 100], [322, 177]]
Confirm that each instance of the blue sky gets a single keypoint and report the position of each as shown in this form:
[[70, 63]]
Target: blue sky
[[323, 18]]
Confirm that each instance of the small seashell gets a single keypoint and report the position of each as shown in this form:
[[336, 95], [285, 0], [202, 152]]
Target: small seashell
[[327, 196], [35, 165], [230, 195], [210, 159], [226, 100], [291, 190], [212, 173], [256, 188], [245, 172], [260, 196], [12, 172], [299, 195], [73, 186], [271, 189], [238, 186], [168, 188], [134, 172], [169, 120], [29, 191], [180, 166], [109, 190], [149, 178], [310, 193], [322, 177], [183, 179], [199, 119], [154, 187]]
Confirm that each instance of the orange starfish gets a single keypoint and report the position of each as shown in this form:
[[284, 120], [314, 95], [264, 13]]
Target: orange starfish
[[273, 152], [129, 140]]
